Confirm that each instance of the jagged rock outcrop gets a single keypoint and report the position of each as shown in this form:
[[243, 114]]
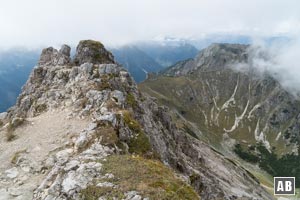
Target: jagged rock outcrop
[[53, 57], [213, 58], [92, 110]]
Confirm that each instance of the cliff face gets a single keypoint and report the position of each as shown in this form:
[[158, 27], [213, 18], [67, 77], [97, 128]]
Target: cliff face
[[82, 130]]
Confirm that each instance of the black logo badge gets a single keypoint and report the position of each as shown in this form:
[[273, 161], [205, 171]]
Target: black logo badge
[[284, 185]]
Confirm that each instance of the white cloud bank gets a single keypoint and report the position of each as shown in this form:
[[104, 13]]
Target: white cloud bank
[[37, 22], [280, 59]]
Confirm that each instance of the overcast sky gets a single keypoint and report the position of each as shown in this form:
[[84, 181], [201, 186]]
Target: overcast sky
[[38, 22]]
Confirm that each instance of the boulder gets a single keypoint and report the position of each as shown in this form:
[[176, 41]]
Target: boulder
[[108, 69], [3, 115], [63, 156], [12, 173], [118, 96], [132, 195]]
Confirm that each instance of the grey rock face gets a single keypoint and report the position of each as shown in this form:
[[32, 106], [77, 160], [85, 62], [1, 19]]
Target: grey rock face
[[92, 52], [118, 96], [3, 115], [51, 87], [65, 50], [132, 195], [108, 68], [66, 179], [52, 57], [12, 173]]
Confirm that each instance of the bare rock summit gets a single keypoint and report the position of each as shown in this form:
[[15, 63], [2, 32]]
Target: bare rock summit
[[92, 52]]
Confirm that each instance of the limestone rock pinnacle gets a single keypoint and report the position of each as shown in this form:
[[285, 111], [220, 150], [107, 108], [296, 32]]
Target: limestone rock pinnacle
[[93, 52], [52, 57]]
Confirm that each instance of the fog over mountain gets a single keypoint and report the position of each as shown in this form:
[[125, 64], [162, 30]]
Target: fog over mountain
[[239, 98], [279, 58]]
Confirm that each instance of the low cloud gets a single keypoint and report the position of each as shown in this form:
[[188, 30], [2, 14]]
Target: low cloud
[[279, 58], [36, 23]]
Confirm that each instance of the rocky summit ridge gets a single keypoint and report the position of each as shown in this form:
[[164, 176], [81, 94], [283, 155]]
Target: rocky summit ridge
[[82, 130]]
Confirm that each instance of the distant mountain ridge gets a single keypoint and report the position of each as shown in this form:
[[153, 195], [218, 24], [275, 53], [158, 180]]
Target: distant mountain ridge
[[217, 56], [228, 99], [137, 62], [146, 57], [168, 54], [239, 112]]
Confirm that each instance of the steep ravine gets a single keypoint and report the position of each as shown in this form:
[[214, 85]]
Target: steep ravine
[[82, 130]]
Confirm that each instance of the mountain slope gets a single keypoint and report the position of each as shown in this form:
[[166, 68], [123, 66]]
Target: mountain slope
[[93, 127], [136, 62], [233, 110]]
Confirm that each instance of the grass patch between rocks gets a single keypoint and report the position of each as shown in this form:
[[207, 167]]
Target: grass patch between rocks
[[131, 100], [139, 144], [150, 178]]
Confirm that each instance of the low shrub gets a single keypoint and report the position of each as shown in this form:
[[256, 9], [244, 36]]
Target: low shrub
[[139, 144], [150, 178], [285, 166]]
